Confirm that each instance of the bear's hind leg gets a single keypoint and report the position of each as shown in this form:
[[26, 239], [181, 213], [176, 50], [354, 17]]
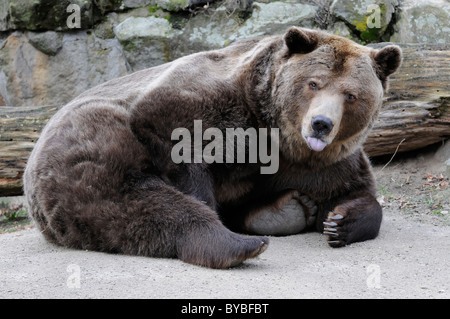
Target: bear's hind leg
[[290, 214], [168, 223]]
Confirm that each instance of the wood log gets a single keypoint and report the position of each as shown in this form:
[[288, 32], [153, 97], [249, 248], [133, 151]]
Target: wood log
[[415, 113], [409, 125], [20, 128], [416, 109]]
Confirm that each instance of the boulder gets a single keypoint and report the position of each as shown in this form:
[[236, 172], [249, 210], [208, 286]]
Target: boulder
[[178, 5], [169, 5], [49, 42], [211, 29], [156, 39], [276, 17], [42, 15], [341, 29], [51, 14], [36, 71], [423, 21], [145, 41], [105, 29], [369, 18], [136, 3], [3, 92], [140, 27]]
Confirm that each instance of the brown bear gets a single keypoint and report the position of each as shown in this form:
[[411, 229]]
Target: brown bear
[[102, 175]]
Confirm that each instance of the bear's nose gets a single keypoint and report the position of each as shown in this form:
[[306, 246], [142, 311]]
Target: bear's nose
[[321, 125]]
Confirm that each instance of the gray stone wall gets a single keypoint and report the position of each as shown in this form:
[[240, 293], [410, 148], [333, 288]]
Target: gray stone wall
[[52, 50]]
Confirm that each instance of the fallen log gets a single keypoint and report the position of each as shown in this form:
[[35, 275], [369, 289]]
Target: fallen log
[[416, 109], [20, 128], [408, 125], [415, 113]]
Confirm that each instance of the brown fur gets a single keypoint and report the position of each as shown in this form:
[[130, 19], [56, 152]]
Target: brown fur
[[101, 176]]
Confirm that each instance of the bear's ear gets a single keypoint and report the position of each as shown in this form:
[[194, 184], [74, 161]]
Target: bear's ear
[[387, 60], [300, 40]]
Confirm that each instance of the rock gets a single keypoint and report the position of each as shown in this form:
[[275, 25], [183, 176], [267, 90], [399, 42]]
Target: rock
[[341, 29], [178, 5], [211, 29], [49, 42], [106, 5], [369, 18], [173, 5], [35, 78], [4, 15], [105, 29], [149, 27], [222, 23], [169, 5], [162, 37], [276, 17], [42, 15], [38, 15], [146, 41], [136, 3], [423, 21], [3, 92]]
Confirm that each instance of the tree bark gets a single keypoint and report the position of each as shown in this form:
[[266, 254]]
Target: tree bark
[[415, 113]]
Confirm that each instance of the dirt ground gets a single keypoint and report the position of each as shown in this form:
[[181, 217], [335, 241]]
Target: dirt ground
[[416, 185], [409, 259]]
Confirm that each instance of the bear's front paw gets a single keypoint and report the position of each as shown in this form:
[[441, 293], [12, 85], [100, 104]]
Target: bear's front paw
[[335, 228]]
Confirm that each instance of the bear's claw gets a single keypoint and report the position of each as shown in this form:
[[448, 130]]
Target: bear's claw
[[333, 229], [330, 231], [332, 224]]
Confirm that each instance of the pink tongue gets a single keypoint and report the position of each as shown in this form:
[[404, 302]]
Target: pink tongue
[[316, 144]]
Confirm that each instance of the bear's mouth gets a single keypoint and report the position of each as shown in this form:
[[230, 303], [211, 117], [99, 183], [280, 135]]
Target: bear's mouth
[[316, 144]]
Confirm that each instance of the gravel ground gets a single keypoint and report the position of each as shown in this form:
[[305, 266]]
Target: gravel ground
[[409, 259]]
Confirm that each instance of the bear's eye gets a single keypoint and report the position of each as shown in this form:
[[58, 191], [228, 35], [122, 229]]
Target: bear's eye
[[350, 97], [313, 85]]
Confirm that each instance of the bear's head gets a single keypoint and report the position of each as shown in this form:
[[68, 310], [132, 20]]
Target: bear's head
[[328, 91]]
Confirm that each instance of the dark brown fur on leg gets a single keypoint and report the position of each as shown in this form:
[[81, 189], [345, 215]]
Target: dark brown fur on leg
[[153, 220]]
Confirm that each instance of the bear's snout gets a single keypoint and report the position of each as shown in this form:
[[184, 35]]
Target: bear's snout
[[321, 125]]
